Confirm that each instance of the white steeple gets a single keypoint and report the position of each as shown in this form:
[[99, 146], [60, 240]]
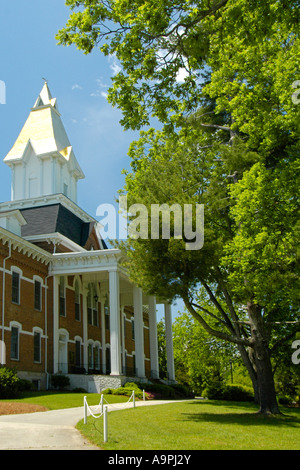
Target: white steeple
[[42, 159]]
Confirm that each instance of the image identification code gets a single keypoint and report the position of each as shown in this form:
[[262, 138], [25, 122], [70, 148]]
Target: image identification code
[[161, 459]]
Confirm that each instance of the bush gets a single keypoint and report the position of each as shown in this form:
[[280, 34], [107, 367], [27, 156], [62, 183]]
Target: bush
[[237, 393], [217, 391], [163, 391], [25, 385], [60, 381], [79, 390], [285, 400], [9, 383], [133, 386], [126, 390], [183, 390]]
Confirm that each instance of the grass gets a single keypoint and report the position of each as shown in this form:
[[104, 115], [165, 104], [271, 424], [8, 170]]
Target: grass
[[60, 400], [188, 425], [196, 425]]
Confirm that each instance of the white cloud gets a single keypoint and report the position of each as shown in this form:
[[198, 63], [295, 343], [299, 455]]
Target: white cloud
[[100, 89], [181, 75], [114, 65], [77, 87]]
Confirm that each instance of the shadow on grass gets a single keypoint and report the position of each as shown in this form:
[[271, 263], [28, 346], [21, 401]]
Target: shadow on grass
[[245, 414]]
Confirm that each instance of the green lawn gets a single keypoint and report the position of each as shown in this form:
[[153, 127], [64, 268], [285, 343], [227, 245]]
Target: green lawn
[[196, 425], [60, 400], [188, 425]]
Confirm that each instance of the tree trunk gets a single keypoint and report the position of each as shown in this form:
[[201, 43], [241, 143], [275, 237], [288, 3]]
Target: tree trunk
[[252, 373], [261, 356]]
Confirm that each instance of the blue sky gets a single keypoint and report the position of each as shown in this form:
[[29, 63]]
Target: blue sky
[[29, 52]]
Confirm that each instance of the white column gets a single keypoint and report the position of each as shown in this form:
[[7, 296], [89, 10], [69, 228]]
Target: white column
[[114, 304], [123, 316], [103, 342], [169, 342], [153, 337], [139, 331], [55, 322], [85, 328]]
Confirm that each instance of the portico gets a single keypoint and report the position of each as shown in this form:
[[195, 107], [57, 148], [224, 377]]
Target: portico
[[114, 293]]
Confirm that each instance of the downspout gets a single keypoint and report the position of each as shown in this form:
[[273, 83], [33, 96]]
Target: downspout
[[3, 305]]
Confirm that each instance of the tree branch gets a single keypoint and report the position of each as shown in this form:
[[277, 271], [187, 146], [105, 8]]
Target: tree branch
[[212, 331]]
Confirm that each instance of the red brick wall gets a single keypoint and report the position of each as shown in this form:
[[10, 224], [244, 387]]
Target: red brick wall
[[24, 313]]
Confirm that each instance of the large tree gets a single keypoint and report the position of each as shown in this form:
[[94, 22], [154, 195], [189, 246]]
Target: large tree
[[230, 141]]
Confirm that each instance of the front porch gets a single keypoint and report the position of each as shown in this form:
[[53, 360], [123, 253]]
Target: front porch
[[124, 341]]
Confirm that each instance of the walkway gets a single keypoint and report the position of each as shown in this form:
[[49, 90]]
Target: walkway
[[51, 430]]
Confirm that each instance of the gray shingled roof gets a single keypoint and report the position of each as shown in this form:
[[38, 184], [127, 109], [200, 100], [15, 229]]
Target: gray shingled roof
[[56, 218]]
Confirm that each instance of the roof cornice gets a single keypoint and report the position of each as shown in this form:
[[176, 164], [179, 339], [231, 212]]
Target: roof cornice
[[24, 246], [47, 201]]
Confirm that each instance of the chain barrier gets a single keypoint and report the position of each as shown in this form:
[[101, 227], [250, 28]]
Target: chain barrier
[[103, 412]]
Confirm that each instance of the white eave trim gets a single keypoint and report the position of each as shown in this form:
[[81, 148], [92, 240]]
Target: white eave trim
[[87, 262], [57, 239], [24, 246], [47, 200]]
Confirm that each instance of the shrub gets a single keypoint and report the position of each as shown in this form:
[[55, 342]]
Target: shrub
[[233, 392], [9, 383], [183, 390], [133, 386], [126, 391], [60, 381], [25, 385], [164, 391], [79, 390], [214, 391], [237, 393]]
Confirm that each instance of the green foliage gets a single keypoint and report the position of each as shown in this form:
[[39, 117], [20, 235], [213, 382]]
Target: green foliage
[[161, 390], [230, 141], [60, 381], [25, 385], [132, 386], [9, 383], [126, 390], [230, 392]]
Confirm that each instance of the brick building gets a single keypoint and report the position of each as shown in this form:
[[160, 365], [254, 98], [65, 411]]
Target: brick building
[[67, 305]]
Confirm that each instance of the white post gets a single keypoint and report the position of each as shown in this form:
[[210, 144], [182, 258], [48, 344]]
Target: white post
[[105, 423], [101, 403], [133, 398], [84, 410], [139, 331], [144, 395]]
